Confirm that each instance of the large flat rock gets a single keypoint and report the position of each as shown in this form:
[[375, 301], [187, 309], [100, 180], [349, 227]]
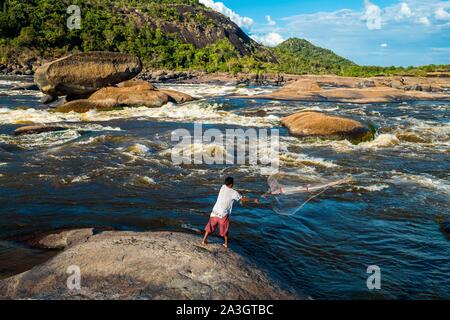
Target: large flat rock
[[151, 265], [85, 73]]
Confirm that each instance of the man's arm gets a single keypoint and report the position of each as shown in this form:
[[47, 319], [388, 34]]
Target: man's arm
[[245, 201]]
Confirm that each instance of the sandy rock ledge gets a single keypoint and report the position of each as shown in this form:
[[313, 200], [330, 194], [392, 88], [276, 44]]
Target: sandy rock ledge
[[151, 265]]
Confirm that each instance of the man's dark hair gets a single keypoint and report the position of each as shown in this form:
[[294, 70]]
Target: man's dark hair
[[229, 181]]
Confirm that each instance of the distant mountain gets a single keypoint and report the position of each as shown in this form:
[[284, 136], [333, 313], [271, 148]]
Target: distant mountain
[[300, 56]]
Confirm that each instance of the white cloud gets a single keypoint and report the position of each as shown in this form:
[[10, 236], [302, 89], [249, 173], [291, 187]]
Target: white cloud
[[236, 18], [384, 45], [425, 21], [271, 39], [372, 15], [405, 10], [270, 22], [441, 14], [345, 32]]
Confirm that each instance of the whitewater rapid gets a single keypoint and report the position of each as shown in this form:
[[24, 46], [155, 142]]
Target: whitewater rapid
[[114, 169]]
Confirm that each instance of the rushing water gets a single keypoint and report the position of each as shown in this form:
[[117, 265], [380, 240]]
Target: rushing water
[[114, 170]]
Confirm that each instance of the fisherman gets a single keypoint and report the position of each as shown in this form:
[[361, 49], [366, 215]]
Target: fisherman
[[222, 210]]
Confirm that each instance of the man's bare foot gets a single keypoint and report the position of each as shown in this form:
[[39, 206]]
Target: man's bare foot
[[205, 242]]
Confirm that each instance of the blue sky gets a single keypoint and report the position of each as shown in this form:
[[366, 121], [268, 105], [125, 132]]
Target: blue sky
[[369, 32]]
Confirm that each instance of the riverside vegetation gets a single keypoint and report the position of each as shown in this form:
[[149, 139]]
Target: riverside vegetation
[[165, 34]]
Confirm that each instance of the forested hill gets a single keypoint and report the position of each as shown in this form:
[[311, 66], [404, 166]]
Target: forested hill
[[165, 34], [300, 56]]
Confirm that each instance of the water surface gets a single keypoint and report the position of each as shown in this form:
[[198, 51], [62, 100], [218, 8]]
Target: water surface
[[114, 170]]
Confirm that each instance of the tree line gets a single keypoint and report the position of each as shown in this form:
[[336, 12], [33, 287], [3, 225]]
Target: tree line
[[38, 28]]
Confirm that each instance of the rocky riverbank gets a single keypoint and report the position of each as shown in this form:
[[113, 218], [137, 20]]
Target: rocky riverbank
[[433, 82], [16, 69], [99, 80], [223, 78], [362, 90], [150, 265], [29, 67]]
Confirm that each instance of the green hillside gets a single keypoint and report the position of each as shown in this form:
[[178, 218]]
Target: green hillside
[[300, 56], [165, 34], [175, 34]]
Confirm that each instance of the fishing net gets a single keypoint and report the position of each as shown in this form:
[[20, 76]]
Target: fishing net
[[291, 193]]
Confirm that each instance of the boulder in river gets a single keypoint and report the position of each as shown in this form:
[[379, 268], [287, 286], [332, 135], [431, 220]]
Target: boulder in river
[[131, 96], [35, 129], [150, 265], [85, 73], [304, 124], [128, 94]]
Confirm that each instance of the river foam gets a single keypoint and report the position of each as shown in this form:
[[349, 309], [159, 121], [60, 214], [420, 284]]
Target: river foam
[[425, 180], [197, 111]]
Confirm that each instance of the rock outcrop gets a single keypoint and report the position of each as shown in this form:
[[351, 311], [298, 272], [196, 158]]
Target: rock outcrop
[[35, 129], [152, 265], [135, 93], [199, 26], [360, 90], [85, 73], [102, 81], [316, 124], [168, 76], [63, 239], [131, 96]]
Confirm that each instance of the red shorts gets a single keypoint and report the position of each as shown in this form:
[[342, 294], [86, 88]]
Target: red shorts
[[224, 224]]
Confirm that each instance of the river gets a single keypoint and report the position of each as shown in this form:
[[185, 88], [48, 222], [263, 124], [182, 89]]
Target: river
[[114, 170]]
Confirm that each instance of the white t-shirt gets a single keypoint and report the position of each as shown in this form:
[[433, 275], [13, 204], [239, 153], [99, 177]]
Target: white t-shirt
[[224, 203]]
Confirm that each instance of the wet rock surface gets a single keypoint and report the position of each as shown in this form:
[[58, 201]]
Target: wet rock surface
[[36, 129]]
